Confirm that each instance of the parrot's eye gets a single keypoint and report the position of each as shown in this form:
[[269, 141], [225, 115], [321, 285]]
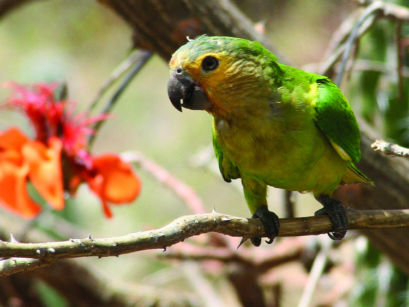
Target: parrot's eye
[[209, 63]]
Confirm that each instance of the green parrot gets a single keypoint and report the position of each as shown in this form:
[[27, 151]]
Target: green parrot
[[274, 125]]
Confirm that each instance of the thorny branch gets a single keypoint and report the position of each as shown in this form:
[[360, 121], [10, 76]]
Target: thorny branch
[[188, 226], [17, 265]]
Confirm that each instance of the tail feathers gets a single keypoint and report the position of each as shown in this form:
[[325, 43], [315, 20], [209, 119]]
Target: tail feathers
[[354, 175]]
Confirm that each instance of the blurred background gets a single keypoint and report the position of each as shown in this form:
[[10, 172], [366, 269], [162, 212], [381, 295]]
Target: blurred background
[[81, 44]]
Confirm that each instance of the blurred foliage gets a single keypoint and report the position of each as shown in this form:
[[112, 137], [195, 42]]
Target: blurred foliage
[[385, 106], [379, 283], [49, 297], [377, 93]]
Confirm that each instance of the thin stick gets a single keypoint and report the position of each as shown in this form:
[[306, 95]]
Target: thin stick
[[289, 203], [316, 272], [390, 149], [368, 12], [399, 59], [116, 74], [111, 103], [17, 265]]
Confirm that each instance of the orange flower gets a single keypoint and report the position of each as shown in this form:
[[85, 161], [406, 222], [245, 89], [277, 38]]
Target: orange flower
[[113, 181], [13, 174], [57, 156]]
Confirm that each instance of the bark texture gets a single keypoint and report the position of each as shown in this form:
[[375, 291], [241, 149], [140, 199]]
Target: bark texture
[[162, 26]]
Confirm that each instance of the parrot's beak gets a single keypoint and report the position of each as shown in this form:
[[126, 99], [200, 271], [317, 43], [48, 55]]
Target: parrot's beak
[[181, 86]]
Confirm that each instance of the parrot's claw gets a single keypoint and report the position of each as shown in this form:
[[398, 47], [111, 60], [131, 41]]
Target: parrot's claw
[[244, 239], [337, 214], [270, 222], [255, 241]]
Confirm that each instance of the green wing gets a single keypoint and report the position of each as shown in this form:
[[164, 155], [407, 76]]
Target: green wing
[[228, 170], [336, 120]]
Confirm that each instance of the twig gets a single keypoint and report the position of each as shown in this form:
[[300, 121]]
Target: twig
[[390, 149], [338, 51], [394, 11], [399, 59], [340, 48], [277, 259], [192, 225], [277, 292], [368, 12], [111, 103], [284, 251], [390, 10], [315, 273], [246, 284], [225, 256], [289, 203], [117, 73], [17, 265], [199, 253], [362, 65], [202, 286], [341, 34]]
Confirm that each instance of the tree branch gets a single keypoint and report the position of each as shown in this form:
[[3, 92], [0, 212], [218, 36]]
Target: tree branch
[[390, 148], [188, 226], [17, 265], [226, 256], [164, 25]]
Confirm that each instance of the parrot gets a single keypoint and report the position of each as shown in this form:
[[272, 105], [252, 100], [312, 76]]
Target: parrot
[[273, 124]]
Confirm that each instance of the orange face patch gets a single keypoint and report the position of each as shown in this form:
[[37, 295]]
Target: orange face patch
[[210, 81]]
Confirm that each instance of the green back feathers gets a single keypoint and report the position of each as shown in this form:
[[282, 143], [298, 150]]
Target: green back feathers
[[336, 120], [333, 114]]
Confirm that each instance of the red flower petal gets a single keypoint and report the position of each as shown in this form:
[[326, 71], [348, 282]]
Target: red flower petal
[[61, 135], [45, 170], [12, 139], [115, 182], [13, 192], [120, 183]]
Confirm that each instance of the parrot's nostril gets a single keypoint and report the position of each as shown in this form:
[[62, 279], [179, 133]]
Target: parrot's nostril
[[179, 70]]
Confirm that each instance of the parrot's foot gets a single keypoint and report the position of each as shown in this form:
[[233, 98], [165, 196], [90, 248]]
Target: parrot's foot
[[270, 222], [337, 214]]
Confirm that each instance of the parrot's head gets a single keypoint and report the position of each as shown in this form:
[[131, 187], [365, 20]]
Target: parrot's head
[[219, 74]]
